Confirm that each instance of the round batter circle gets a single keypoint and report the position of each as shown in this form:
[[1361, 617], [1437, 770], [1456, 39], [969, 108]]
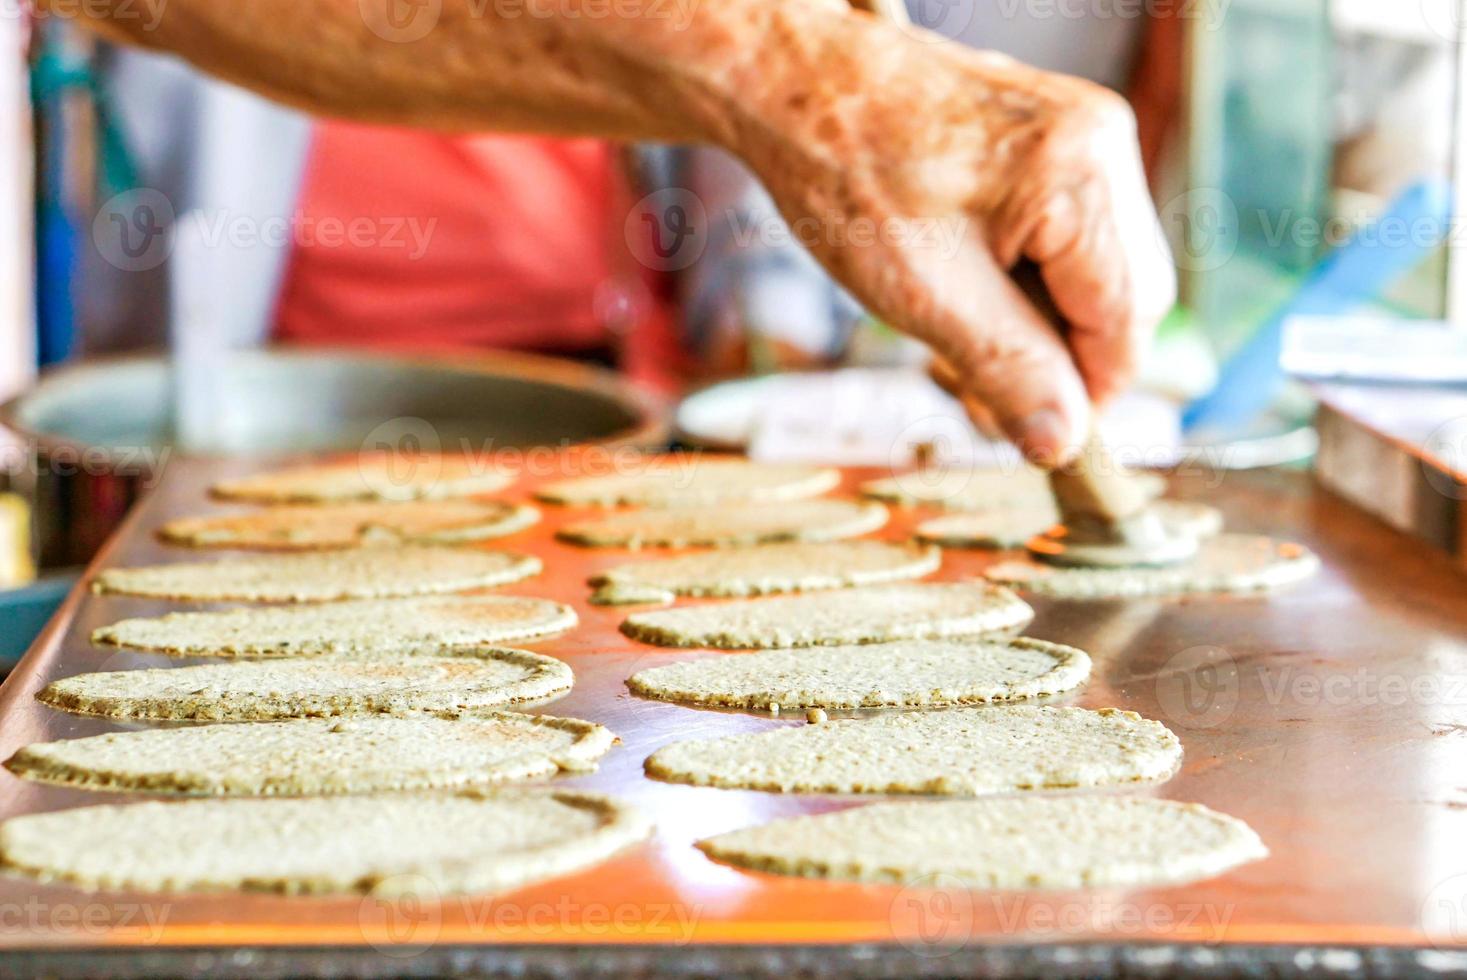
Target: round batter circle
[[327, 686], [431, 625], [315, 756], [673, 481], [1061, 842], [1225, 563], [871, 614], [328, 576], [955, 752], [905, 674], [468, 842], [304, 527], [1011, 527], [367, 476], [727, 526], [764, 570]]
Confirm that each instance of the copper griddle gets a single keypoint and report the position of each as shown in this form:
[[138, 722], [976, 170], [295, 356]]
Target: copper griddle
[[1332, 717]]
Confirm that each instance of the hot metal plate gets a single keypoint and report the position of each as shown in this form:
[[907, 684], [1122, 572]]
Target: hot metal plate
[[1331, 716]]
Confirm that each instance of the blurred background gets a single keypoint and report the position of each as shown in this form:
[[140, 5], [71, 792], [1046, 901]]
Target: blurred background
[[187, 268]]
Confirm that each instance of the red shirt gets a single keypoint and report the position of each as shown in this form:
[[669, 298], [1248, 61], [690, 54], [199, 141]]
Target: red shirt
[[408, 239]]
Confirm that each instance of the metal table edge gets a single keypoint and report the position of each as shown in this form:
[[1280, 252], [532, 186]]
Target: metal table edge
[[635, 961]]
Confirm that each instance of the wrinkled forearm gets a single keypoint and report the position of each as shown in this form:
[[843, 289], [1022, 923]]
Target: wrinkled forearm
[[643, 69], [730, 72], [951, 164]]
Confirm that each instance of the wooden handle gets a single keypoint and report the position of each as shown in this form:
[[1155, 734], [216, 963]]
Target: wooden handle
[[1093, 488]]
